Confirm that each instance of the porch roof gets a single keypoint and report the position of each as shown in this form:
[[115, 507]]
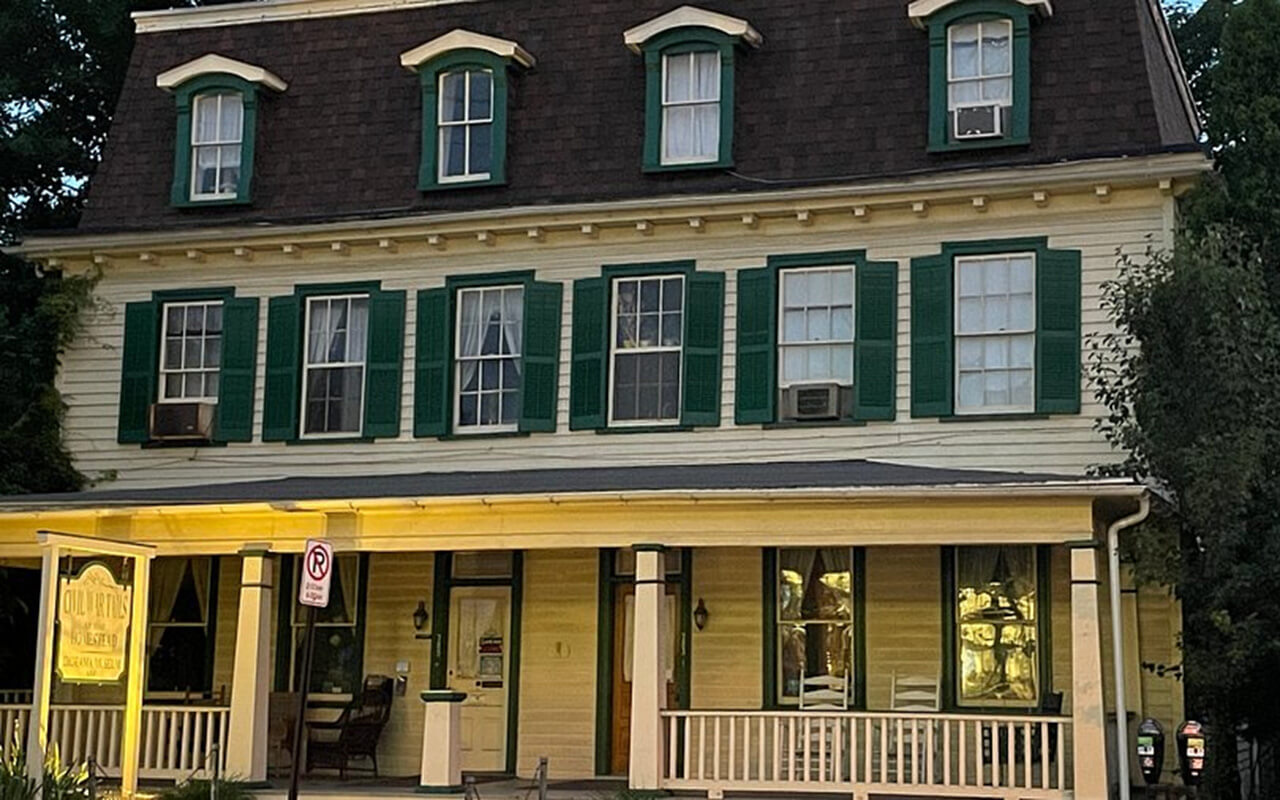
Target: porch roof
[[856, 474]]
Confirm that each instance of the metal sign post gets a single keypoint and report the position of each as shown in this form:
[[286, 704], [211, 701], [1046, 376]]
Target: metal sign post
[[313, 592]]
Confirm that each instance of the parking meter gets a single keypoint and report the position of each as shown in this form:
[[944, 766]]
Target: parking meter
[[1151, 750], [1191, 738]]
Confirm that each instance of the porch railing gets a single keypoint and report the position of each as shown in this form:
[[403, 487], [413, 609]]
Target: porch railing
[[177, 741], [868, 752]]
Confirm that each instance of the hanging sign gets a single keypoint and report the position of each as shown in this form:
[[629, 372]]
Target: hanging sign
[[93, 625], [317, 574]]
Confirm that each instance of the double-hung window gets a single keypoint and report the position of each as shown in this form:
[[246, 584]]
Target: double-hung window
[[465, 125], [980, 78], [996, 618], [178, 630], [191, 351], [488, 358], [995, 333], [217, 135], [815, 328], [814, 623], [691, 107], [334, 357], [648, 338], [339, 641]]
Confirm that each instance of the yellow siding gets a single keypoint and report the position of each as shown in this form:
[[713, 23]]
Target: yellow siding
[[727, 656], [904, 621], [397, 581], [558, 663], [1060, 622], [1159, 627], [227, 614], [1064, 444]]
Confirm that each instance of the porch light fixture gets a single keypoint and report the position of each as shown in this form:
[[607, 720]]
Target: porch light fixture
[[700, 614], [420, 615]]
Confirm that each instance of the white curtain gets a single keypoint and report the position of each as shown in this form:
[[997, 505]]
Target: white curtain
[[200, 571], [166, 581], [339, 330], [490, 320], [691, 122]]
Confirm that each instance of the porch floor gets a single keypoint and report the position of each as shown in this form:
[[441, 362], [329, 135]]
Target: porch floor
[[487, 788]]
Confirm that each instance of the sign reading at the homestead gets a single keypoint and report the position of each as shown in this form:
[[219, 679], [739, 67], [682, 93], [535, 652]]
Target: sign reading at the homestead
[[93, 623]]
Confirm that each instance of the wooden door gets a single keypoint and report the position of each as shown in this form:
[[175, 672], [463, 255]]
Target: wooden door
[[623, 637], [479, 664]]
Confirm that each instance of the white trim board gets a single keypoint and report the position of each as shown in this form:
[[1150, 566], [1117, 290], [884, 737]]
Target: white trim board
[[254, 11]]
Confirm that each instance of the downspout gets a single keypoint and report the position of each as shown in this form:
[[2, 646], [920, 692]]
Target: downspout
[[1117, 637]]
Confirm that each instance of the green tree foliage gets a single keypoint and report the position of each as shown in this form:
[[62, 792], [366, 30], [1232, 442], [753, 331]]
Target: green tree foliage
[[1191, 382]]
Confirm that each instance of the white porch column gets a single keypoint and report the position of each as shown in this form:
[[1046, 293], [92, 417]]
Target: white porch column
[[246, 755], [648, 669], [38, 725], [1088, 712]]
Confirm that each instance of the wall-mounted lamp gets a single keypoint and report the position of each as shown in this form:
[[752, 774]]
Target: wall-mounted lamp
[[420, 615], [700, 614]]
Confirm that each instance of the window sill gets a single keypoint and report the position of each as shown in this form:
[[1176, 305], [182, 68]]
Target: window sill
[[463, 437], [828, 423], [722, 163], [331, 440], [446, 186], [179, 445], [212, 203], [645, 429], [981, 144], [1013, 416]]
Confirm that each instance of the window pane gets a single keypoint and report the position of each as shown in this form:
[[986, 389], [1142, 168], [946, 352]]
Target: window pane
[[842, 287], [997, 90], [996, 610], [706, 83], [481, 95], [842, 365], [357, 329], [964, 51], [795, 289], [679, 81], [793, 326], [481, 148], [453, 150], [205, 127], [229, 174], [678, 137], [672, 294], [232, 119], [706, 124], [996, 59], [206, 170], [453, 96], [819, 325]]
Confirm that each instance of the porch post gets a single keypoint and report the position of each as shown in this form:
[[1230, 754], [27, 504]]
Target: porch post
[[1088, 712], [442, 743], [648, 670], [38, 723], [246, 755], [131, 741]]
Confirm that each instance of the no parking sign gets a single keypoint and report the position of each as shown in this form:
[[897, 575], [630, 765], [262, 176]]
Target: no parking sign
[[317, 574]]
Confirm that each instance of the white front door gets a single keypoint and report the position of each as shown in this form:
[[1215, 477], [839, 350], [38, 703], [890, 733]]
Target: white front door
[[480, 666]]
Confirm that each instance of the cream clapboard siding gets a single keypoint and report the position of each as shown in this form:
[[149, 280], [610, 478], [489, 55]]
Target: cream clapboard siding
[[726, 660], [558, 663], [90, 378], [227, 615], [397, 581], [904, 621]]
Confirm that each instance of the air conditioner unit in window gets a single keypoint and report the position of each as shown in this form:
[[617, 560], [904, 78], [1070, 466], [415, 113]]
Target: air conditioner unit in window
[[978, 122], [175, 422], [811, 401]]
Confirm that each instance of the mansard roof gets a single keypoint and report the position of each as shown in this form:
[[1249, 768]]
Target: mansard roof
[[836, 93]]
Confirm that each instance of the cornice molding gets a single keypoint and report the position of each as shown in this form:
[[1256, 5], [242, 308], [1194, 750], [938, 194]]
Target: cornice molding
[[214, 64], [256, 11], [462, 39], [691, 17]]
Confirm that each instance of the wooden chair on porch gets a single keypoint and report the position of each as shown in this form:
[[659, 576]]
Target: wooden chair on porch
[[354, 734], [914, 693]]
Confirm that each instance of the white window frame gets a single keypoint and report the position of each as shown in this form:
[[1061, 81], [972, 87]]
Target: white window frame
[[779, 624], [663, 158], [217, 144], [782, 309], [957, 335], [614, 350], [363, 363], [458, 360], [466, 123], [183, 370], [952, 80]]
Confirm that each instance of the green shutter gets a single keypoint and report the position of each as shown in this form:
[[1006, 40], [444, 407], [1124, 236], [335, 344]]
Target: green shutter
[[875, 347], [931, 337], [138, 368], [1058, 332], [541, 361], [239, 363], [755, 383], [703, 348], [385, 364], [431, 404], [590, 354], [284, 352]]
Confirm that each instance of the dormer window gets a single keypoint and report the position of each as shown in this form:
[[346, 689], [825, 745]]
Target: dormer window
[[217, 137], [464, 107], [689, 56], [217, 102], [979, 70]]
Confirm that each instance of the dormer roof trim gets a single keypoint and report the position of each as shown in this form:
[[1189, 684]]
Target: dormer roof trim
[[461, 39], [920, 10], [691, 17], [214, 64]]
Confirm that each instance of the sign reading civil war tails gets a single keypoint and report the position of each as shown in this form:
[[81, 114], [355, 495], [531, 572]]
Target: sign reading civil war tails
[[93, 624]]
